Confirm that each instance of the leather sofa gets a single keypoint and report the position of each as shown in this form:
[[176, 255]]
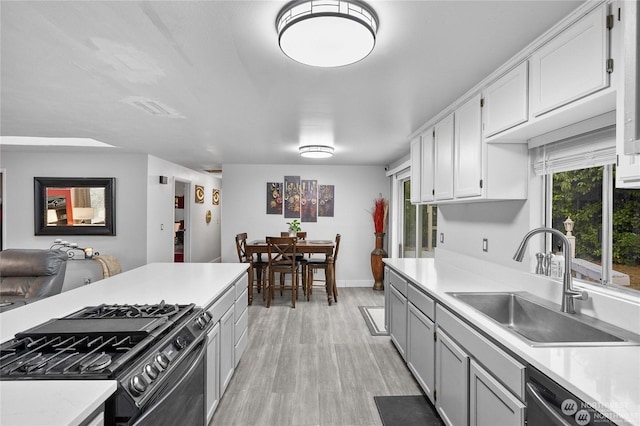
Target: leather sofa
[[30, 274]]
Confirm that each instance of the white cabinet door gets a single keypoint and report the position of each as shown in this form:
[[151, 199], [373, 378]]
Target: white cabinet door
[[490, 403], [572, 65], [398, 320], [416, 169], [387, 299], [628, 119], [452, 381], [428, 165], [421, 349], [213, 371], [443, 149], [506, 103], [227, 349], [468, 149]]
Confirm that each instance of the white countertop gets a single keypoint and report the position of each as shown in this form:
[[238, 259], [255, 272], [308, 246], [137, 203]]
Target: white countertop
[[52, 403], [66, 402], [608, 378]]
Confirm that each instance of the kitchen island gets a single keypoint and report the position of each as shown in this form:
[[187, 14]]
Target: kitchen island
[[71, 402], [606, 377]]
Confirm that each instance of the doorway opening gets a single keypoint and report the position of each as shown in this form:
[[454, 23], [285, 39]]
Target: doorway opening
[[181, 222]]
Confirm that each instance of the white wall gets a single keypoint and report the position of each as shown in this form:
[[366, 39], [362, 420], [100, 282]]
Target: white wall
[[204, 239], [244, 210], [142, 203], [130, 171], [503, 223]]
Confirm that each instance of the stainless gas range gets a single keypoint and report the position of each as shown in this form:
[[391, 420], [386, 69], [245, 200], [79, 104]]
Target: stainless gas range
[[155, 352]]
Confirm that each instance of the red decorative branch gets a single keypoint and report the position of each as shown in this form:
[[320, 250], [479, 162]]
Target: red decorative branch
[[379, 214]]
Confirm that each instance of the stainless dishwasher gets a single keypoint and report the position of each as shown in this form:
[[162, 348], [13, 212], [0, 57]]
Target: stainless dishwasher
[[549, 404]]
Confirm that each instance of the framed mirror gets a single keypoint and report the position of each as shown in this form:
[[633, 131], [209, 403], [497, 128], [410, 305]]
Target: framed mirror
[[74, 206]]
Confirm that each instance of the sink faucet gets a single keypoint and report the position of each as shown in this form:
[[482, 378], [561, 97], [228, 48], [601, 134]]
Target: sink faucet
[[568, 293]]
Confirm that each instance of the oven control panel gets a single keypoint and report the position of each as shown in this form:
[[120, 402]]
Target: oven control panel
[[150, 369]]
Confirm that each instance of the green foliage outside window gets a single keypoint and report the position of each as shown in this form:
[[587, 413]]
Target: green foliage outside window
[[578, 194]]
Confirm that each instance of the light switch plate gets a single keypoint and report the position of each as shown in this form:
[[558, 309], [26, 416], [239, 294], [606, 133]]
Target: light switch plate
[[485, 244], [442, 237]]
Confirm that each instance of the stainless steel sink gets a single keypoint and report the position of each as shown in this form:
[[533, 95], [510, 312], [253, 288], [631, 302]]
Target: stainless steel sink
[[540, 323]]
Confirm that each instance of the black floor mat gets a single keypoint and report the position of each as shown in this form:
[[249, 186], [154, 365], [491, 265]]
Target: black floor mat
[[410, 410]]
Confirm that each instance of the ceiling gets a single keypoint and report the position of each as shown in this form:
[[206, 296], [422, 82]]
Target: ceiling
[[203, 83]]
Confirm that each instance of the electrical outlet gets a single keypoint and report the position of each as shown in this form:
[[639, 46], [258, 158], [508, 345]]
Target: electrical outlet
[[485, 244], [442, 237]]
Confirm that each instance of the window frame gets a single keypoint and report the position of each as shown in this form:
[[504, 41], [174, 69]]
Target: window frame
[[607, 229]]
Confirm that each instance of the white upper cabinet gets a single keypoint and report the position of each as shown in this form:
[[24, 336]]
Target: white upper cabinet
[[571, 65], [443, 154], [416, 169], [428, 165], [628, 113], [506, 102], [468, 149], [572, 73]]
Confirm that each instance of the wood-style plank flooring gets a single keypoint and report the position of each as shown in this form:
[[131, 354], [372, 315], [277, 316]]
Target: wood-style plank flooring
[[313, 365]]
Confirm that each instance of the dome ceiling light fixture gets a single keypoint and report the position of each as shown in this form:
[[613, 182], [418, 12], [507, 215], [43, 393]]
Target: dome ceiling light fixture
[[316, 151], [327, 33]]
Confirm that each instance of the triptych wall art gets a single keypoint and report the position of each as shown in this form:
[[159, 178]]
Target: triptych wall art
[[300, 199]]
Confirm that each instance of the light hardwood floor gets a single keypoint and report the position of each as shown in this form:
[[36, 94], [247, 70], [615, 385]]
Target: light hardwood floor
[[313, 365]]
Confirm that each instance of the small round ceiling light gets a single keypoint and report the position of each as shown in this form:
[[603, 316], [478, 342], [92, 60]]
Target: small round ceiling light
[[327, 33], [316, 151]]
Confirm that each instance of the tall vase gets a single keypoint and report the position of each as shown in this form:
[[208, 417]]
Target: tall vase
[[377, 267]]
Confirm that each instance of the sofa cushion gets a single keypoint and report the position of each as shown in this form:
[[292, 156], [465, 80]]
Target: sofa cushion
[[31, 273]]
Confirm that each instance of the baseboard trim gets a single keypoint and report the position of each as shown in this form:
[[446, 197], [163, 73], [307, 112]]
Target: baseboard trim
[[354, 283]]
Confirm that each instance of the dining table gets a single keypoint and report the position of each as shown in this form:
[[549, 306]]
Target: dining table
[[259, 247]]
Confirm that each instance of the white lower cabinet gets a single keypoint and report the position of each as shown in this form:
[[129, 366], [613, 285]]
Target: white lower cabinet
[[452, 381], [227, 349], [387, 287], [241, 319], [469, 379], [213, 371], [490, 403], [398, 319], [421, 349], [477, 383], [226, 341]]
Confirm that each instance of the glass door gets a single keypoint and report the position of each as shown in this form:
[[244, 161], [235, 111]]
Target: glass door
[[417, 224], [409, 222]]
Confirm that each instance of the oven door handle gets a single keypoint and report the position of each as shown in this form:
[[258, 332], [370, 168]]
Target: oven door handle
[[172, 389], [544, 405]]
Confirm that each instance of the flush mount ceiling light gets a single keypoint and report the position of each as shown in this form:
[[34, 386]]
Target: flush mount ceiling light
[[316, 151], [327, 33]]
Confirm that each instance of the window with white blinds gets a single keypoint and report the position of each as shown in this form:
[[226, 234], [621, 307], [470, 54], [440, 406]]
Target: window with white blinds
[[596, 148]]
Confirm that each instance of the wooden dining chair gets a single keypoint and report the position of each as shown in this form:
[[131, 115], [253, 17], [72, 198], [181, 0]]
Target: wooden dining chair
[[259, 278], [315, 264], [282, 259], [301, 236]]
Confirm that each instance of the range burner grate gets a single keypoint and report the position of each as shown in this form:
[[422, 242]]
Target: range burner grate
[[161, 309]]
